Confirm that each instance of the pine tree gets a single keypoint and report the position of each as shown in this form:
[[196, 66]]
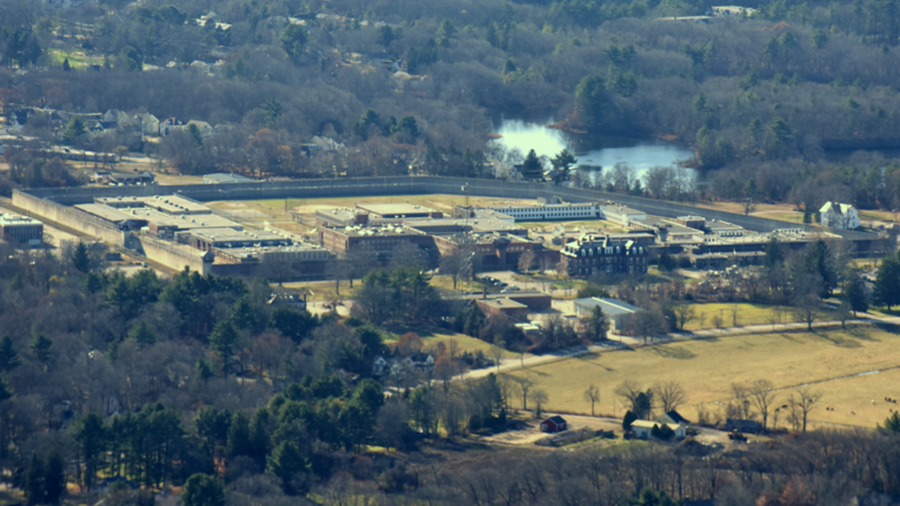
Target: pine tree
[[34, 480], [239, 437], [143, 334], [80, 258], [9, 358], [532, 168], [74, 130], [855, 294], [40, 346], [222, 339], [887, 283], [54, 478], [288, 465]]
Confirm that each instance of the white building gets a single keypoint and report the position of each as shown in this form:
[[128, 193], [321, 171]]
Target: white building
[[643, 428], [835, 215], [541, 212]]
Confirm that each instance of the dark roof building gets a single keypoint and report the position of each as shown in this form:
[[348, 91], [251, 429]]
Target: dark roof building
[[591, 254], [554, 424]]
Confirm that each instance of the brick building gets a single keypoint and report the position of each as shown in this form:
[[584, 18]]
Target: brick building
[[590, 254]]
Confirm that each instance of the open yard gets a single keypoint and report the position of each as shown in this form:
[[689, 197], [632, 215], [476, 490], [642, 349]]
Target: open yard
[[432, 336], [851, 368], [744, 314]]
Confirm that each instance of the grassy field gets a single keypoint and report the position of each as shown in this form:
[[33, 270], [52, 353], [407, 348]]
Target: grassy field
[[747, 314], [432, 336], [706, 369], [877, 215]]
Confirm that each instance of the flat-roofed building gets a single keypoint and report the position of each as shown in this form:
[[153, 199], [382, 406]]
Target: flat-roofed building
[[622, 215], [616, 310], [396, 211], [20, 229], [503, 306], [339, 217], [225, 178], [206, 239], [542, 212], [170, 204], [378, 241]]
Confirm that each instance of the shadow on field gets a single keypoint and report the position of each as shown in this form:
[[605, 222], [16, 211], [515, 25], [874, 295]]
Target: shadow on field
[[674, 352], [838, 340]]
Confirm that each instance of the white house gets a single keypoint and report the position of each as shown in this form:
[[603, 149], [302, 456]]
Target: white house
[[642, 429], [835, 215]]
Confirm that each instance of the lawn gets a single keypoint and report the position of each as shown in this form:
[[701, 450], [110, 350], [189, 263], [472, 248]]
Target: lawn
[[877, 215], [706, 369], [431, 336], [747, 314]]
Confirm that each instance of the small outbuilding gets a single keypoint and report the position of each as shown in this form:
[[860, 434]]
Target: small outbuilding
[[554, 424]]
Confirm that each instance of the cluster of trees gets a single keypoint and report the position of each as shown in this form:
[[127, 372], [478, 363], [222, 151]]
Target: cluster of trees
[[500, 331], [758, 98]]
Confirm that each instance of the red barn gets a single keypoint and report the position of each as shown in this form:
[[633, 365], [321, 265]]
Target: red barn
[[554, 424]]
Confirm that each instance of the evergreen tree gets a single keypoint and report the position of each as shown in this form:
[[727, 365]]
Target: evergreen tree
[[592, 100], [65, 66], [597, 324], [532, 169], [34, 480], [239, 436], [203, 490], [887, 283], [774, 255], [5, 394], [259, 436], [562, 162], [91, 435], [290, 467], [40, 347], [9, 358], [54, 478], [80, 258], [855, 294], [223, 339], [75, 130], [143, 334]]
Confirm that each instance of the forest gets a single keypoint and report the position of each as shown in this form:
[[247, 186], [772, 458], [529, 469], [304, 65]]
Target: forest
[[761, 98]]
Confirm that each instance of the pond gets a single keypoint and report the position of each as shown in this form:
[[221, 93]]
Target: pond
[[591, 149]]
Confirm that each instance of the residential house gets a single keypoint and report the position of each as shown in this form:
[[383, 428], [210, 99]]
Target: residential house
[[378, 366], [836, 215], [554, 424], [643, 428]]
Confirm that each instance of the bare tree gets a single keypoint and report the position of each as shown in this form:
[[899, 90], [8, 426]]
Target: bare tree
[[774, 316], [734, 309], [685, 313], [524, 384], [762, 397], [540, 398], [592, 395], [628, 390], [526, 260], [670, 395], [740, 405], [497, 352], [807, 402]]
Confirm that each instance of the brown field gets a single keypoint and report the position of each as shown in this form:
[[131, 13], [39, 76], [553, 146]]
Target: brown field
[[706, 368]]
